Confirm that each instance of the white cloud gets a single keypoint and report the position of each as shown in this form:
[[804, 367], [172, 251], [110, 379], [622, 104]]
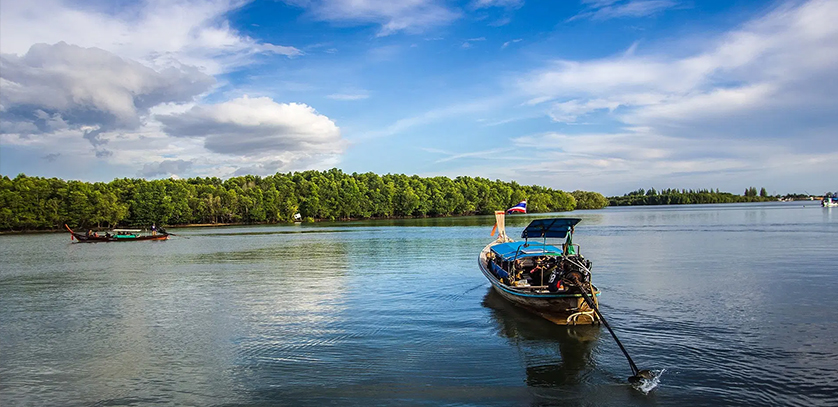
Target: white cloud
[[599, 3], [629, 74], [776, 69], [507, 43], [620, 162], [257, 127], [717, 103], [109, 74], [252, 142], [608, 9], [348, 96], [58, 87], [468, 42], [155, 32], [165, 167], [72, 97], [279, 49], [478, 4], [492, 153], [414, 16], [438, 114], [568, 111], [756, 103]]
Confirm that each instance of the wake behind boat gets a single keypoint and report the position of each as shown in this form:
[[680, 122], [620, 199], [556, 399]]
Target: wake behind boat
[[117, 235], [543, 278]]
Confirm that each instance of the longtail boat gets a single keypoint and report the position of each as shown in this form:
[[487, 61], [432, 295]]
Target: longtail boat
[[116, 235], [543, 278], [550, 281]]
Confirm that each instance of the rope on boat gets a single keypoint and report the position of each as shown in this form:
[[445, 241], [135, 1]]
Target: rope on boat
[[573, 318]]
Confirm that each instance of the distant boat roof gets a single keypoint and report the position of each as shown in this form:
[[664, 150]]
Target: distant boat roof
[[550, 228]]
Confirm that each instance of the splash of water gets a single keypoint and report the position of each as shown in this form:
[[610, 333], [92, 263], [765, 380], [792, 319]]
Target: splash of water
[[646, 385]]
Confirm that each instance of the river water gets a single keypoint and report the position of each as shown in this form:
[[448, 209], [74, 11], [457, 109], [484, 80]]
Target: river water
[[736, 302]]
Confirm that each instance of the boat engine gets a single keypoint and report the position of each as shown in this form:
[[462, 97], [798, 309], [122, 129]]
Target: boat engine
[[572, 272]]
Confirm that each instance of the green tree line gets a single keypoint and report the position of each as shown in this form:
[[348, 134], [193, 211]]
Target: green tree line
[[30, 203], [685, 196]]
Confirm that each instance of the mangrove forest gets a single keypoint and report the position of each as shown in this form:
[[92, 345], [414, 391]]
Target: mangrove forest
[[687, 196], [36, 203]]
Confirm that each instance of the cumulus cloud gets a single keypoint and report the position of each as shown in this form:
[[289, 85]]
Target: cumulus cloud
[[393, 16], [155, 32], [130, 113], [257, 127], [77, 75], [58, 87]]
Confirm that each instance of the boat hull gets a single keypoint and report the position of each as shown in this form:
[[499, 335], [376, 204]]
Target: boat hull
[[560, 308], [83, 238]]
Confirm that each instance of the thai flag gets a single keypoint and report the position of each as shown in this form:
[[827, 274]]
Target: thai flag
[[520, 208]]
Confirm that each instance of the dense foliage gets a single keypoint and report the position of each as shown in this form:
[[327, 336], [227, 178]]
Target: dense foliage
[[684, 196], [28, 203], [589, 200]]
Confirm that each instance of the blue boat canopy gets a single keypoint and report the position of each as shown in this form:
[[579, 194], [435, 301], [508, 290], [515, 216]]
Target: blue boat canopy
[[512, 250], [549, 228]]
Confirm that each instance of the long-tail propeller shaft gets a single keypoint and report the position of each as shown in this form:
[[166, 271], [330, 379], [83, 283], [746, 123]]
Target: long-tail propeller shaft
[[637, 374]]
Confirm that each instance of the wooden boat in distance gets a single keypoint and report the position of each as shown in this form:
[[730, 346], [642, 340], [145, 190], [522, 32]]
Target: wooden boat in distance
[[540, 277], [116, 235]]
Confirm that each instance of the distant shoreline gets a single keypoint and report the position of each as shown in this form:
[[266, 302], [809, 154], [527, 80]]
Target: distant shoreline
[[209, 225], [197, 225]]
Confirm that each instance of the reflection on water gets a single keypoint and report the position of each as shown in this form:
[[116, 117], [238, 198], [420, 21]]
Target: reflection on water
[[163, 322], [554, 355], [736, 302]]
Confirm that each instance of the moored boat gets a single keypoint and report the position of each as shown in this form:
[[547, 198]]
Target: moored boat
[[116, 235], [543, 278], [829, 200]]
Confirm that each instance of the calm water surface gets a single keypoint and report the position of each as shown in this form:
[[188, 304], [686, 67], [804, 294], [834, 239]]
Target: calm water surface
[[737, 302]]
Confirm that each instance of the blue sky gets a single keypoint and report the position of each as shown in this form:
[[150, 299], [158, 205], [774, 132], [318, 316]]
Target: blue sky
[[604, 95]]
